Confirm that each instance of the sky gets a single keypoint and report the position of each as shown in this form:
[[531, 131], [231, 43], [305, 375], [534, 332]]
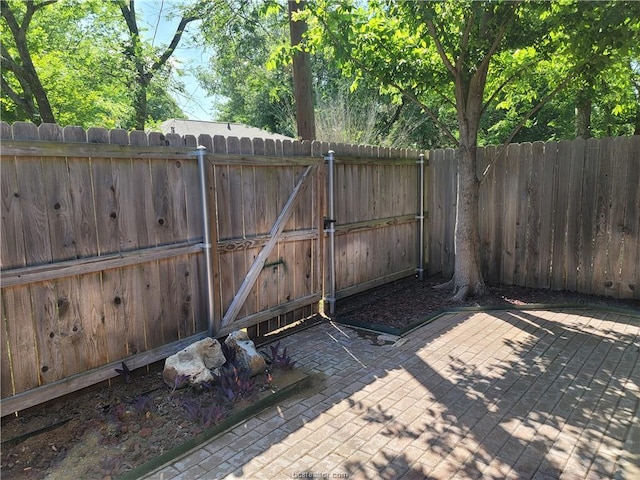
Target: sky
[[152, 18]]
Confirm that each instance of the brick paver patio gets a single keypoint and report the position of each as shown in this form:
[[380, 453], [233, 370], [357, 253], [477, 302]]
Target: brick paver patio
[[501, 394]]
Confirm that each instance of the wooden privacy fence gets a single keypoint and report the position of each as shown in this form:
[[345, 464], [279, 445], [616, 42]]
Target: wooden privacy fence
[[560, 215], [100, 254], [103, 237], [102, 244]]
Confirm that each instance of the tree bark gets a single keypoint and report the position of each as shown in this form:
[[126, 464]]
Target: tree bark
[[140, 105], [583, 114], [302, 79], [467, 277]]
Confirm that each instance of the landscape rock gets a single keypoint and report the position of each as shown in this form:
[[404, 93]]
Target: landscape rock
[[387, 338], [196, 361], [246, 354]]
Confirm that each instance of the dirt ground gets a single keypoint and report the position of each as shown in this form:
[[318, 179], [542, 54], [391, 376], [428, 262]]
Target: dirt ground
[[111, 428], [406, 301], [104, 431]]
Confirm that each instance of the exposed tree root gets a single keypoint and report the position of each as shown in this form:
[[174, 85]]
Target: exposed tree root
[[461, 292], [445, 286]]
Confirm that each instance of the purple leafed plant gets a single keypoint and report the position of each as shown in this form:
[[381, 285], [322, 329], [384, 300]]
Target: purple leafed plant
[[179, 382], [142, 404], [192, 408], [204, 415], [212, 415], [233, 383], [276, 359], [124, 372]]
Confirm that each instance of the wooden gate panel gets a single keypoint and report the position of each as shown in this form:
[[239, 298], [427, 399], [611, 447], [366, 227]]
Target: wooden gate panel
[[266, 252], [376, 236], [257, 275]]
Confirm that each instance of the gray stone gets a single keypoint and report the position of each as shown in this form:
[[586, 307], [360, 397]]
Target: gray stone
[[196, 361], [246, 354], [388, 338]]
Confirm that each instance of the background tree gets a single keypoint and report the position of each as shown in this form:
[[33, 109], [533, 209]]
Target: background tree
[[302, 80], [251, 72], [468, 56], [601, 37], [26, 92], [241, 34], [77, 56], [147, 61]]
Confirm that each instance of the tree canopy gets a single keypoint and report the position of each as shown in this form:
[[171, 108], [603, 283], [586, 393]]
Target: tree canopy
[[392, 44], [87, 62], [467, 62], [74, 62]]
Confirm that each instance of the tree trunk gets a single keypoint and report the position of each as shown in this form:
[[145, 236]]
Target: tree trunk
[[583, 114], [140, 105], [39, 93], [302, 80], [467, 277]]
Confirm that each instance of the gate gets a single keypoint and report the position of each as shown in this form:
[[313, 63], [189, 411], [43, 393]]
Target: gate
[[376, 198], [265, 218]]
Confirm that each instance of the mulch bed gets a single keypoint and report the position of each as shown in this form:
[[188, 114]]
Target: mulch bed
[[107, 431], [400, 304]]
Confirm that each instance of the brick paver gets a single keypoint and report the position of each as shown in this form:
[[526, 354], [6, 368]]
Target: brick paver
[[502, 394]]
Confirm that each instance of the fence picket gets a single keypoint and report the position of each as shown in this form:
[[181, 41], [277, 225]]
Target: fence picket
[[436, 214], [496, 208], [535, 189], [449, 203], [82, 197], [12, 247], [548, 193], [143, 282], [33, 205], [615, 225], [561, 202], [20, 339], [574, 214], [524, 189], [511, 195], [630, 274], [588, 218]]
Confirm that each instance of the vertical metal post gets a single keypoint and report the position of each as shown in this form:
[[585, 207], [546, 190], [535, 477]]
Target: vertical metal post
[[206, 245], [330, 228], [420, 217]]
